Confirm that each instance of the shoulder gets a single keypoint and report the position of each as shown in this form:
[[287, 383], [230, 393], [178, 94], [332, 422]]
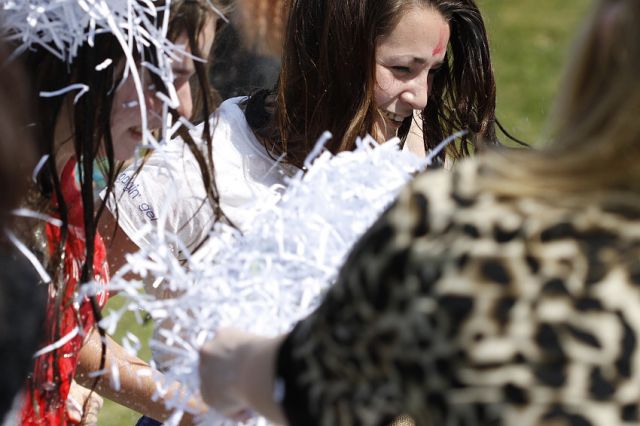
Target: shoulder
[[230, 113], [454, 217], [231, 134], [434, 198], [490, 244]]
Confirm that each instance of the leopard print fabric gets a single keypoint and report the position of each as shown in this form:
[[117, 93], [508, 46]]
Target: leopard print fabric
[[460, 307]]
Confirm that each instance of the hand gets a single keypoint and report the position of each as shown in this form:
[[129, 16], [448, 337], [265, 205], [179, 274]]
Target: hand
[[83, 406], [221, 364], [138, 382], [237, 374]]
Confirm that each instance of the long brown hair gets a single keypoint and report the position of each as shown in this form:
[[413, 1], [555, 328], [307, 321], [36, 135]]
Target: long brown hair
[[595, 132], [191, 17], [90, 125], [328, 77]]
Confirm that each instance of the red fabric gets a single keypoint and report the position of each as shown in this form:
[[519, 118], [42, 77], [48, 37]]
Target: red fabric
[[45, 404]]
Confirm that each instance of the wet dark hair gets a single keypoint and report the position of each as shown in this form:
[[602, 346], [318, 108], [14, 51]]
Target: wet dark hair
[[328, 77], [22, 300], [90, 123], [17, 144], [191, 17]]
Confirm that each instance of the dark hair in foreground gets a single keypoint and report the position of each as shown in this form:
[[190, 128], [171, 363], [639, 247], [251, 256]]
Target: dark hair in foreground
[[328, 78], [22, 300], [17, 150]]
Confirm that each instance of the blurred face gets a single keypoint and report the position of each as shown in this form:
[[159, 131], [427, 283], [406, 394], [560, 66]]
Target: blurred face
[[406, 61], [126, 123], [184, 69]]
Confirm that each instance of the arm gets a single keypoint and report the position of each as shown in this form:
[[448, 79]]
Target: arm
[[116, 240], [350, 361], [83, 406], [237, 372], [137, 385], [167, 193]]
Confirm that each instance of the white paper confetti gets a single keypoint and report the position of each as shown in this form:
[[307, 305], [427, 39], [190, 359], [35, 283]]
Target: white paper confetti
[[276, 273]]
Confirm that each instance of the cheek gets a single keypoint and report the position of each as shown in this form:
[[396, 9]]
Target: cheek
[[125, 102], [383, 91], [185, 99], [126, 92]]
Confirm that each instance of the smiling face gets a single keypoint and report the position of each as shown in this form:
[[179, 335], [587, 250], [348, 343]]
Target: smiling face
[[406, 61], [126, 123]]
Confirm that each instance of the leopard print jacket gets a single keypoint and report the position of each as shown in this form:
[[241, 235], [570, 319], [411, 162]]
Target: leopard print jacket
[[460, 307]]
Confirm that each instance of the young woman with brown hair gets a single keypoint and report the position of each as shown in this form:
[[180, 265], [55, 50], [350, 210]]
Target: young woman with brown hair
[[348, 67], [502, 293], [340, 72]]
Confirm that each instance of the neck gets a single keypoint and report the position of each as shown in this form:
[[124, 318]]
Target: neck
[[63, 138]]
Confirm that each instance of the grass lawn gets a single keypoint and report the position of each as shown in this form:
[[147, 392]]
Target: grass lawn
[[113, 414], [529, 40]]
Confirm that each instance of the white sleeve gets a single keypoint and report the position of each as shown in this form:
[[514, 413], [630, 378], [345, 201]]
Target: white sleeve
[[168, 193]]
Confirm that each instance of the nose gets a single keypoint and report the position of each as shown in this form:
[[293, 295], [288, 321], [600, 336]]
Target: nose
[[186, 100], [154, 108], [416, 92], [154, 112]]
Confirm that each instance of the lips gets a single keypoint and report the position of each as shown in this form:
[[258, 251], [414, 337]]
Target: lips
[[394, 118], [136, 131]]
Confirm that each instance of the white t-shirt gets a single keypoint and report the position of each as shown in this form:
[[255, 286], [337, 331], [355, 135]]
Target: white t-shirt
[[168, 189]]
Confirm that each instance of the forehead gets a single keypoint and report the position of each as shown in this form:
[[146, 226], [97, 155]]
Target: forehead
[[421, 32]]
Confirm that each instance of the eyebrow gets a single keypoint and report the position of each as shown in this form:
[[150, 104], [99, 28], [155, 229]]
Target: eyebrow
[[412, 59], [417, 59]]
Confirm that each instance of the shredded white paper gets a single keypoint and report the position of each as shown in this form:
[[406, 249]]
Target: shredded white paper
[[63, 26], [276, 273], [263, 281]]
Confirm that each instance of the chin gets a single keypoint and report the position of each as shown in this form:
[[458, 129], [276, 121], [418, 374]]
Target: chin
[[124, 153]]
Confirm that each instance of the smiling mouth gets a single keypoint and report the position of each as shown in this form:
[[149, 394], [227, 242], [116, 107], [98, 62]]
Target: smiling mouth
[[136, 131], [395, 118]]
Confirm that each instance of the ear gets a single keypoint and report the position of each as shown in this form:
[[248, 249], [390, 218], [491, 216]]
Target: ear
[[262, 23]]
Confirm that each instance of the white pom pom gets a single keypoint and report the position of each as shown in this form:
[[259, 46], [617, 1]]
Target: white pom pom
[[276, 273]]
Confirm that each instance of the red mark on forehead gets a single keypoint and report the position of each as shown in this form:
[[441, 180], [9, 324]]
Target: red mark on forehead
[[441, 43]]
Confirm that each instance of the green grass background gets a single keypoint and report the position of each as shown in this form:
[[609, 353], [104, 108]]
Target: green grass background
[[529, 41]]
